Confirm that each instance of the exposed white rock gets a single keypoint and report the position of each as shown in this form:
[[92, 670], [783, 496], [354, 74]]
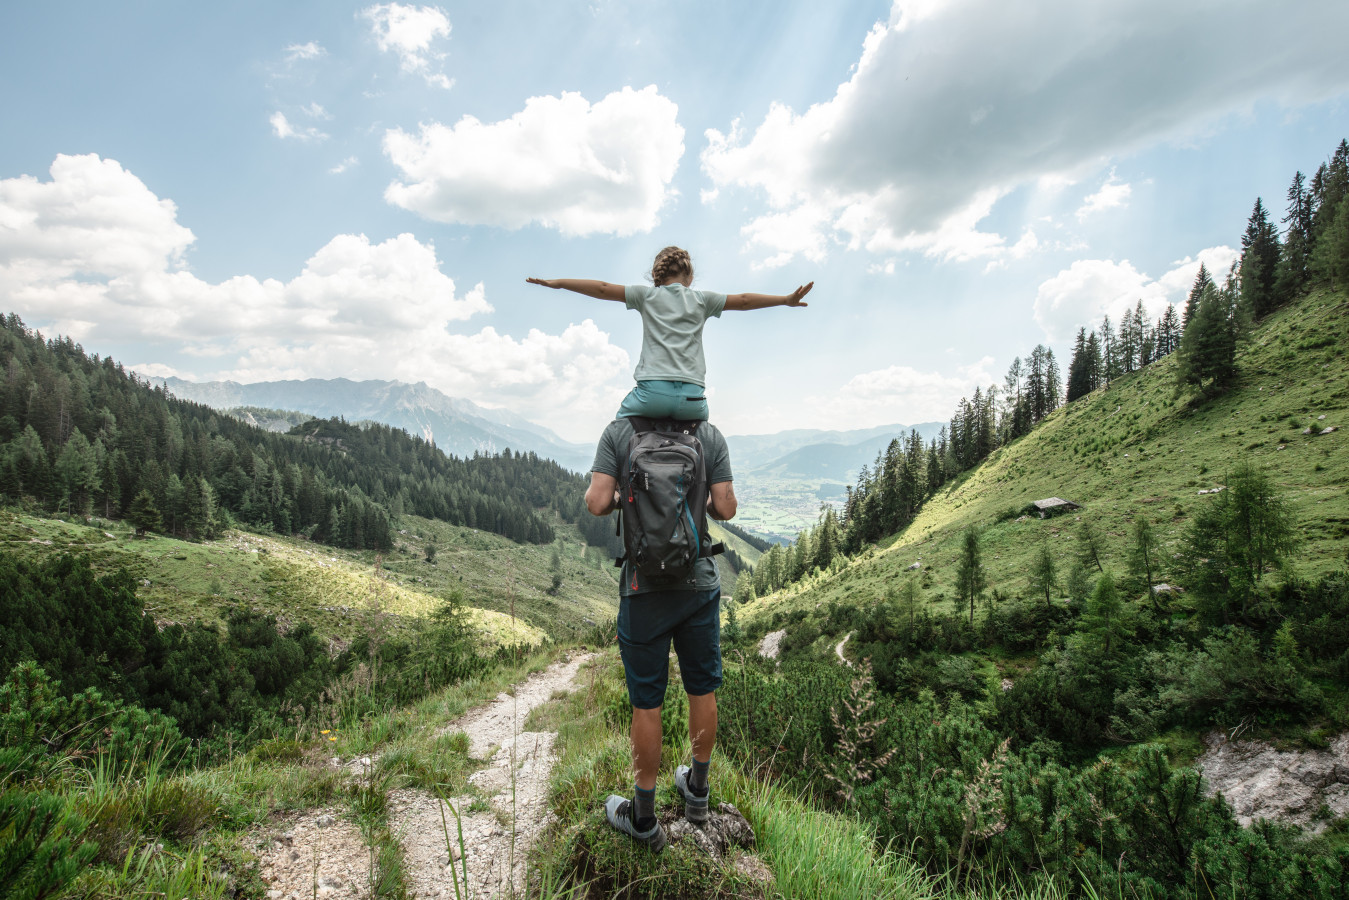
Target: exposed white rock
[[771, 644], [1261, 782]]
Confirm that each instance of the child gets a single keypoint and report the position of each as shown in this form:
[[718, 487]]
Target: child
[[671, 373]]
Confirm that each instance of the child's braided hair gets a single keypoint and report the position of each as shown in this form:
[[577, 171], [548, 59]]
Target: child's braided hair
[[670, 264]]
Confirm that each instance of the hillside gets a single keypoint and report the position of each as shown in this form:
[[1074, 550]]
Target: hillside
[[332, 589], [1134, 449]]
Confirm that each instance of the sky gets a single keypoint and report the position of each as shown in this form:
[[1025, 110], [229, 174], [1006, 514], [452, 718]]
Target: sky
[[261, 191]]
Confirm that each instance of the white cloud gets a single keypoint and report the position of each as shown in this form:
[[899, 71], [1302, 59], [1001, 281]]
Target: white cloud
[[306, 51], [954, 105], [560, 162], [1113, 193], [282, 128], [901, 394], [94, 254], [316, 111], [344, 165], [1091, 288], [410, 32]]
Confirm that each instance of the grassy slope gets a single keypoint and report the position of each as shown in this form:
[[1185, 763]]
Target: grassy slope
[[331, 588], [1134, 449]]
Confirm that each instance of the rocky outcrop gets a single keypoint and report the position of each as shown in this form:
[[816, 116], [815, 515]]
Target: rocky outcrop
[[1261, 782]]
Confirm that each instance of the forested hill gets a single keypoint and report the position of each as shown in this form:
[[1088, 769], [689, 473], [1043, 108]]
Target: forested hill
[[79, 433]]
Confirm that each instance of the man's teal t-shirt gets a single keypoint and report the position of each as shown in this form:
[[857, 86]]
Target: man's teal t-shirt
[[672, 330], [611, 457]]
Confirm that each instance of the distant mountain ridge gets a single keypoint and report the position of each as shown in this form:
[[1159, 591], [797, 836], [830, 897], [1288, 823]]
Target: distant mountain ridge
[[458, 427], [836, 455]]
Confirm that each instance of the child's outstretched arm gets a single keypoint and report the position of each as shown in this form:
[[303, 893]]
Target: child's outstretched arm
[[763, 301], [600, 290]]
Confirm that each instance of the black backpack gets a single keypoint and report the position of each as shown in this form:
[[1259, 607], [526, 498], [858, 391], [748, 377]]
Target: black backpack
[[663, 501]]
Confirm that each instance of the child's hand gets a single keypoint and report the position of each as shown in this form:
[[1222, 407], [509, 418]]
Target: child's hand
[[544, 282], [794, 298]]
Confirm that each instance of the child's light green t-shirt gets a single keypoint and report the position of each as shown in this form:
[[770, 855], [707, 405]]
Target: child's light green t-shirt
[[672, 330]]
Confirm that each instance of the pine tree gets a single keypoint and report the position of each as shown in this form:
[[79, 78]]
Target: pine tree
[[1202, 281], [1089, 546], [1053, 383], [1079, 376], [144, 515], [1044, 573], [1110, 362], [1142, 553], [1168, 332], [1208, 348], [1259, 263], [1292, 275], [970, 577], [1330, 262]]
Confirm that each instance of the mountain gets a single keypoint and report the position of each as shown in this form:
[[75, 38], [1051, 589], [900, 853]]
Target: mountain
[[755, 451], [458, 427], [839, 462]]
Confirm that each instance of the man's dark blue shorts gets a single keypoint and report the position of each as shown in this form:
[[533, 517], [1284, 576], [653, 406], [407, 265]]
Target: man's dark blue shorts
[[646, 625]]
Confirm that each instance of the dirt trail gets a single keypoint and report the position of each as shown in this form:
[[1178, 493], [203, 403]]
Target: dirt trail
[[319, 853], [839, 650], [495, 852]]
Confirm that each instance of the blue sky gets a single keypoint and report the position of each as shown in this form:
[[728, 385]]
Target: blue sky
[[260, 191]]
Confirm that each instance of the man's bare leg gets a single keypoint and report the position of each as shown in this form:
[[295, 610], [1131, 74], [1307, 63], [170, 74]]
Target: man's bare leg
[[702, 725], [646, 745]]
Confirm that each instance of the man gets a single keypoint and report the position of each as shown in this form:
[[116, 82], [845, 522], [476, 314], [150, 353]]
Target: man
[[651, 615]]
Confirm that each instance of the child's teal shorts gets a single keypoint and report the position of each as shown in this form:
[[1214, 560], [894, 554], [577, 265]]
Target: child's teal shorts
[[666, 400]]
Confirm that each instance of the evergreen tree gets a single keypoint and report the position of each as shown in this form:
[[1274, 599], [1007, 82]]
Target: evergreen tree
[[1168, 332], [1259, 263], [1110, 361], [1330, 262], [1079, 368], [1291, 278], [1235, 537], [77, 474], [1089, 546], [1208, 348], [1329, 188], [1104, 621], [1202, 282], [1053, 383], [1142, 553], [1044, 573], [144, 515], [970, 577]]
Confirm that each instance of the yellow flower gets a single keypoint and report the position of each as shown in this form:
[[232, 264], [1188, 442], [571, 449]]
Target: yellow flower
[[332, 738], [325, 731]]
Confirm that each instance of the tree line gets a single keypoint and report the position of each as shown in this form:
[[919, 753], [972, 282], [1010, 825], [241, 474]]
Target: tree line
[[79, 434]]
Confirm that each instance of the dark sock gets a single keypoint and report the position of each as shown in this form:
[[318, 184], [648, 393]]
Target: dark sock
[[643, 809], [698, 777]]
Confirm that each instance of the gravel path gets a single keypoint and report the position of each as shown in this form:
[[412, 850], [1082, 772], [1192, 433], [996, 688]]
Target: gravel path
[[495, 851], [314, 854], [839, 650]]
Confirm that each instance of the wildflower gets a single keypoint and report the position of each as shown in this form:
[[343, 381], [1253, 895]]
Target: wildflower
[[325, 731]]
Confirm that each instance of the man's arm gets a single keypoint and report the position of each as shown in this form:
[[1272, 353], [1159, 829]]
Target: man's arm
[[722, 504], [602, 495], [600, 290], [763, 301]]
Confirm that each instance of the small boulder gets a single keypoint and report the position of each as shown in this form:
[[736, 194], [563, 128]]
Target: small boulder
[[725, 828]]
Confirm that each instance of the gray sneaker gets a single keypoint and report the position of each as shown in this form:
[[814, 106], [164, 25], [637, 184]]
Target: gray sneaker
[[619, 813], [695, 807]]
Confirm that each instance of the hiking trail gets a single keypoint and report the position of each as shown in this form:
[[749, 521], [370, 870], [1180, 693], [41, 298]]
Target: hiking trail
[[319, 853]]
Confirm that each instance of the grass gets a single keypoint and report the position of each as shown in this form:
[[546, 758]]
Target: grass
[[300, 581], [1134, 449], [810, 852]]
